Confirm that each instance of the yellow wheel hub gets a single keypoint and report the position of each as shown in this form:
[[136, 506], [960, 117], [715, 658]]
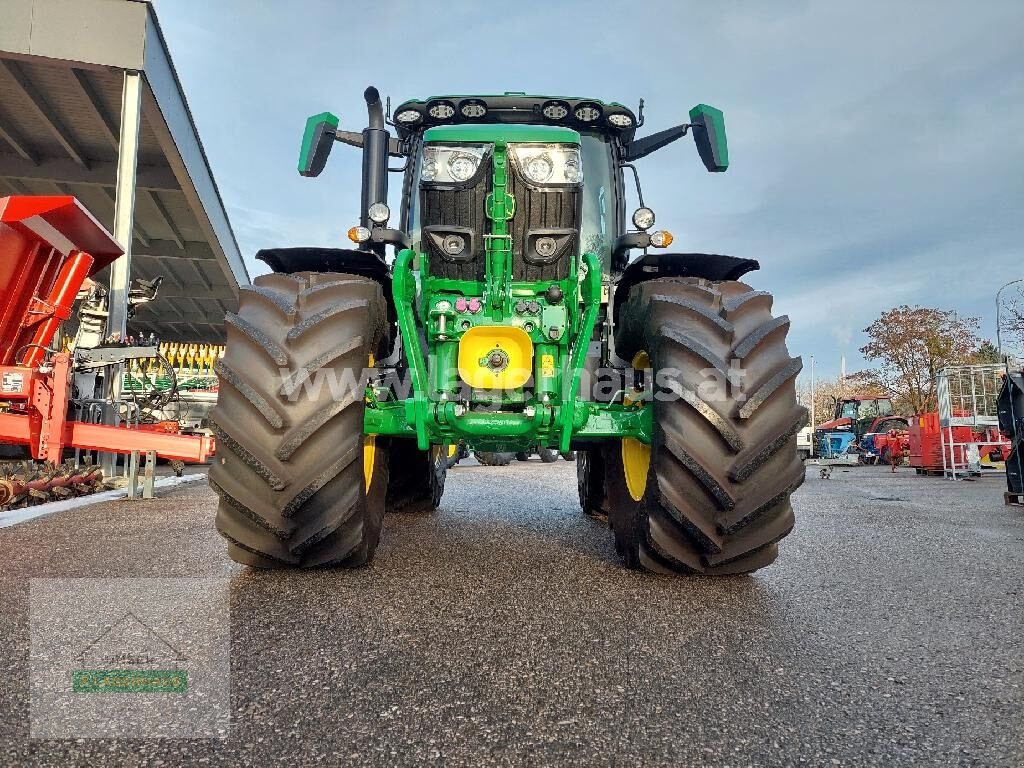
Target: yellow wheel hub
[[369, 459], [636, 456]]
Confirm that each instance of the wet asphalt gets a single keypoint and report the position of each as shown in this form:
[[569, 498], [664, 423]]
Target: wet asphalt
[[502, 630]]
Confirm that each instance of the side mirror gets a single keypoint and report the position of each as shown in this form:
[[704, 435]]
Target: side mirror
[[708, 126], [316, 143]]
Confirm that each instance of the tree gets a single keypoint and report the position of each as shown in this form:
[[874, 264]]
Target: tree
[[985, 354], [909, 345]]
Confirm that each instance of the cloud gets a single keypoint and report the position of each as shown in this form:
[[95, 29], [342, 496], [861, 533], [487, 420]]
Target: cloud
[[876, 149]]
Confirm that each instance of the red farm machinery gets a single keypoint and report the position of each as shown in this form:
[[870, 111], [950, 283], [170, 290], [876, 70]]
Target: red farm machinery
[[49, 248]]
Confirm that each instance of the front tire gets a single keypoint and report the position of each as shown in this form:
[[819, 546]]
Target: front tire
[[299, 485], [711, 493], [590, 484]]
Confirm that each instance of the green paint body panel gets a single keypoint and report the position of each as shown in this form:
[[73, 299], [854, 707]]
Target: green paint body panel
[[488, 133]]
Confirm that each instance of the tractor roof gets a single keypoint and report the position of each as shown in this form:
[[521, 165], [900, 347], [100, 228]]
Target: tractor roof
[[483, 132], [514, 108]]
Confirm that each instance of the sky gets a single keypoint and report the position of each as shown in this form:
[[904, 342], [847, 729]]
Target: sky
[[876, 149]]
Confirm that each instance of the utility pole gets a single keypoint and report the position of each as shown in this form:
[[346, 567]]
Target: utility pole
[[812, 406]]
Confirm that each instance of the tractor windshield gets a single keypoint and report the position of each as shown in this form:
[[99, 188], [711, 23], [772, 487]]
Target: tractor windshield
[[597, 228]]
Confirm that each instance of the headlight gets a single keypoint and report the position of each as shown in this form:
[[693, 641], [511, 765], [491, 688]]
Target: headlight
[[473, 108], [462, 166], [643, 218], [378, 213], [408, 116], [451, 164], [538, 168], [620, 120], [555, 110], [549, 164], [441, 110], [587, 112]]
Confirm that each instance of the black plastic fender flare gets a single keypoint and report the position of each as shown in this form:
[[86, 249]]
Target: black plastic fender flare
[[654, 265], [355, 262]]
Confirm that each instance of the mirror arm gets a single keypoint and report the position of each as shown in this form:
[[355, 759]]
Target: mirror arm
[[623, 244], [643, 147], [353, 139], [395, 237]]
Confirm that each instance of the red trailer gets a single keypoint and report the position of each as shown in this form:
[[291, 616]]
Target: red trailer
[[48, 246]]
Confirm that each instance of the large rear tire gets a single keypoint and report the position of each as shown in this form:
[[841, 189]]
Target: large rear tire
[[711, 494], [590, 473], [417, 482], [299, 485]]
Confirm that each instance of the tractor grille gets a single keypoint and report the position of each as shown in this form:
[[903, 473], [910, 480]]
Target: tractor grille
[[460, 207], [555, 213], [462, 210]]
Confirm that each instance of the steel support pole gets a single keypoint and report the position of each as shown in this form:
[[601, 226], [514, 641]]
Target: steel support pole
[[813, 425], [124, 218], [124, 206]]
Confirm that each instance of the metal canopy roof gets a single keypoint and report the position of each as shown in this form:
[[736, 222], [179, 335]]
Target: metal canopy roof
[[62, 65]]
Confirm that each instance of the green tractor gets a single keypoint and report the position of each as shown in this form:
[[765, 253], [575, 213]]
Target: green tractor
[[516, 310]]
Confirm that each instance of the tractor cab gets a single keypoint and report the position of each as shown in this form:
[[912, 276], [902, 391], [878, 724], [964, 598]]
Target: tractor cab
[[857, 414]]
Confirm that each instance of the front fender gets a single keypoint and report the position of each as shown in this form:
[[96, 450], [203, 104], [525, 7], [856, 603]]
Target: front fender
[[363, 263], [653, 265]]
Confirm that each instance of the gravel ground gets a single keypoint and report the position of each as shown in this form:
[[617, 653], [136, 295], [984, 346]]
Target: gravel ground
[[501, 630]]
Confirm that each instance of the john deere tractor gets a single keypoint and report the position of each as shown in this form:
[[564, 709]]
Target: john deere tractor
[[512, 304]]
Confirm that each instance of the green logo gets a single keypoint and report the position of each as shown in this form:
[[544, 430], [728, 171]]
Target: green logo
[[130, 657], [129, 681]]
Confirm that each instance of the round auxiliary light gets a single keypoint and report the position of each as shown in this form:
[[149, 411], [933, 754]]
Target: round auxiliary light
[[462, 166], [379, 213], [474, 109], [408, 117], [643, 218], [442, 110], [538, 168], [545, 246], [429, 170], [662, 239], [555, 110], [453, 245], [359, 234], [587, 112], [620, 120]]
